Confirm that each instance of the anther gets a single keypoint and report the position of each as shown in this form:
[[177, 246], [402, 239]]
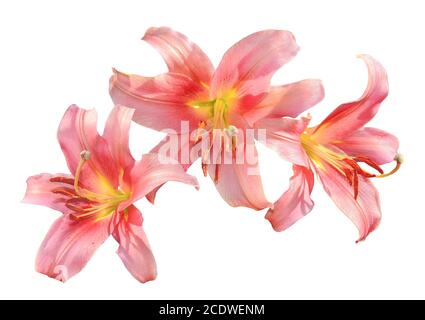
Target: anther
[[205, 169], [355, 184], [65, 191], [217, 173], [370, 163], [62, 180]]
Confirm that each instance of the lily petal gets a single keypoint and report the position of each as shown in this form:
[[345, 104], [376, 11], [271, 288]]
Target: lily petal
[[40, 190], [283, 136], [378, 145], [116, 134], [249, 65], [181, 55], [289, 100], [153, 171], [134, 249], [78, 132], [69, 245], [295, 203], [161, 102], [365, 211], [185, 154], [240, 184], [349, 117]]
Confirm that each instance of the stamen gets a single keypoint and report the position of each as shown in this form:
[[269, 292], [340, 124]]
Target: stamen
[[65, 191], [356, 185], [85, 209], [370, 163], [79, 205], [353, 164], [205, 169], [234, 143], [63, 180], [349, 174], [217, 173]]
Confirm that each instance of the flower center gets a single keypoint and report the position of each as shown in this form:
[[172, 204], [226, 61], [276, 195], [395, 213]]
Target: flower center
[[86, 204], [217, 109], [345, 165], [216, 132]]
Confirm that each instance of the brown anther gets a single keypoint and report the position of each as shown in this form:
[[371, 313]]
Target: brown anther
[[62, 180], [234, 143], [355, 184], [75, 217], [65, 191], [217, 173], [352, 163], [202, 124], [370, 163], [79, 205], [349, 175], [205, 169]]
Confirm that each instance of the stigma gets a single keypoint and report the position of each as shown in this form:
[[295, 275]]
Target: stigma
[[85, 155]]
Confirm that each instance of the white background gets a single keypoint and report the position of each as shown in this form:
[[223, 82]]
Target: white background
[[53, 54]]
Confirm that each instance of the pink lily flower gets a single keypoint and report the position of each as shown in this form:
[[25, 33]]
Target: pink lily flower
[[333, 150], [217, 104], [96, 200]]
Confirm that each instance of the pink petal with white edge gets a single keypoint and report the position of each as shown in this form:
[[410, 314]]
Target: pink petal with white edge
[[77, 132], [289, 100], [151, 172], [283, 136], [349, 117], [181, 55], [69, 245], [365, 211], [295, 203], [240, 184], [378, 145], [134, 249], [249, 64], [40, 191], [116, 134], [161, 102]]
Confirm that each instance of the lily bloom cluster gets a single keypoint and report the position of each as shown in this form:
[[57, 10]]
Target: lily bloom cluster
[[216, 115]]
